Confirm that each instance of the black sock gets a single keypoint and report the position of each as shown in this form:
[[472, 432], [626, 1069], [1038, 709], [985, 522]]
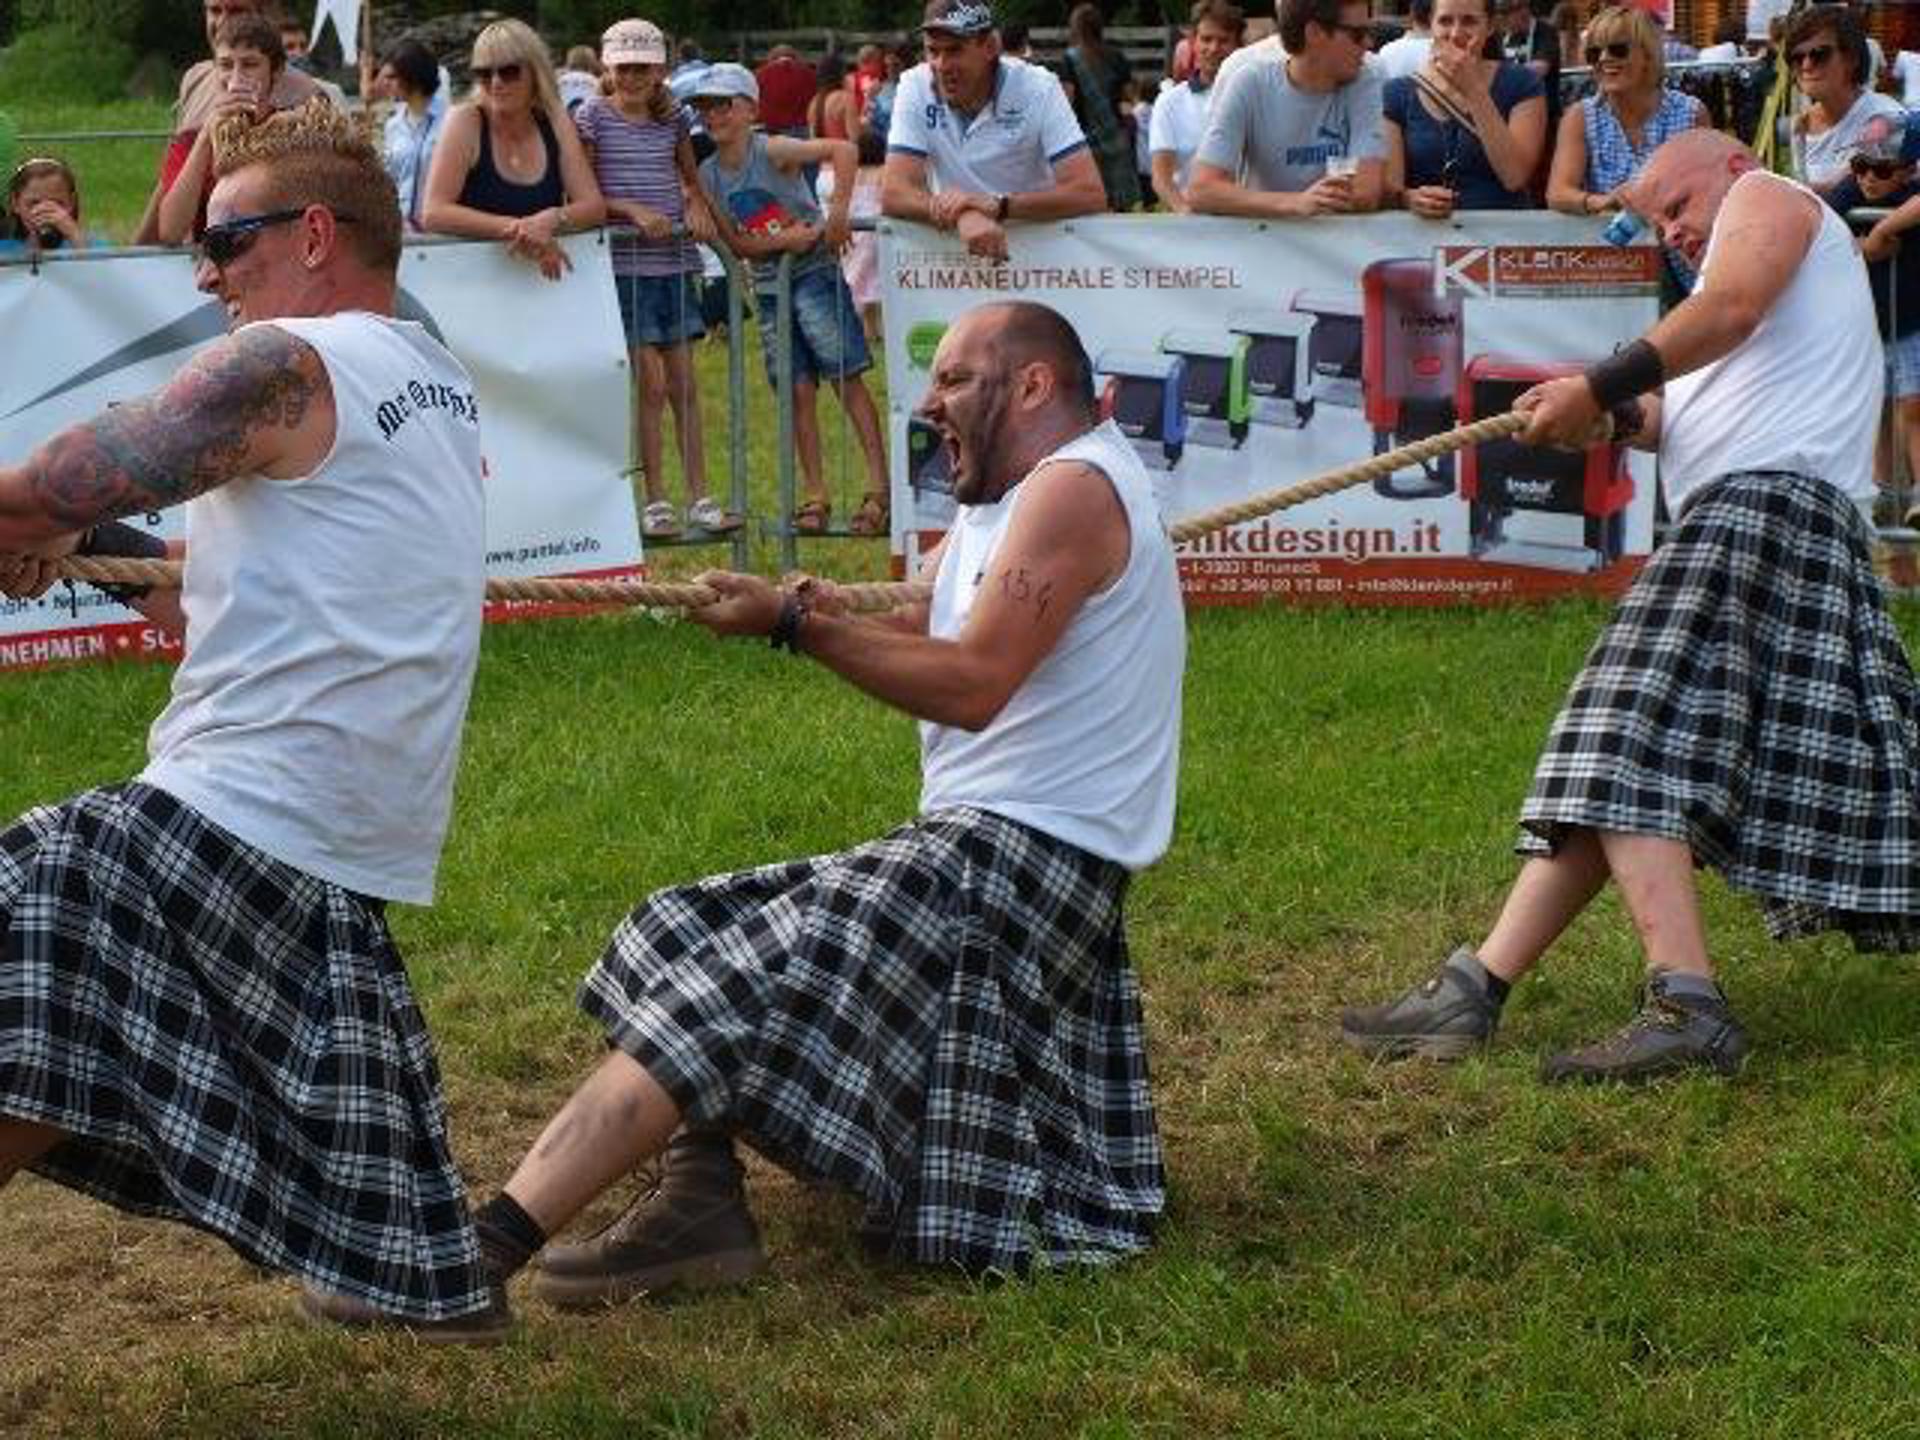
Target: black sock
[[509, 1237], [1497, 989]]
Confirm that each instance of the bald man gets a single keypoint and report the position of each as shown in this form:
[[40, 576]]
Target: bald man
[[943, 1021], [1749, 706]]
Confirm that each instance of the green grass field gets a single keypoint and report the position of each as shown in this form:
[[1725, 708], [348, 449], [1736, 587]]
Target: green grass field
[[1351, 1250]]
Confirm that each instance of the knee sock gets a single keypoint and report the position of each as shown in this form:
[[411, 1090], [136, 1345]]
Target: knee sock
[[509, 1237]]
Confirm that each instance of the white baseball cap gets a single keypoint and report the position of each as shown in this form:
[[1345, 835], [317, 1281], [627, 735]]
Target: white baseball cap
[[633, 42]]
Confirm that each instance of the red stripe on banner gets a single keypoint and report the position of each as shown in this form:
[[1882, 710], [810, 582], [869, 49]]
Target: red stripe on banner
[[130, 640]]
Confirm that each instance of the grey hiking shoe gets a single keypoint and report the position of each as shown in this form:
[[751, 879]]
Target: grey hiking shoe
[[1669, 1035], [663, 1241], [483, 1327], [1447, 1016]]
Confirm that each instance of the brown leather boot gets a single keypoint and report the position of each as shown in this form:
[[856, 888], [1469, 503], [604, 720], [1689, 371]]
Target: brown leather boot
[[692, 1230]]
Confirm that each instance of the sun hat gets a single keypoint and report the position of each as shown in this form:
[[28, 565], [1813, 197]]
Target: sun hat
[[633, 42]]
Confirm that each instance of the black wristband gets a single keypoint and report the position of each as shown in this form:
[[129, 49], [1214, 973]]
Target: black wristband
[[1002, 207], [1629, 419], [112, 539], [1630, 371], [785, 634]]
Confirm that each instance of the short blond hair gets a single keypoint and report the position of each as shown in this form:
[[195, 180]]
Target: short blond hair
[[315, 154], [1621, 22]]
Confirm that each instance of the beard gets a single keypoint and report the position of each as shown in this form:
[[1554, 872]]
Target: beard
[[978, 461]]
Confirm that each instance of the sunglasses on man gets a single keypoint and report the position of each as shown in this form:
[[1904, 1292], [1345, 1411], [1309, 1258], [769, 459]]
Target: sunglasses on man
[[222, 244], [1361, 35], [1612, 50], [506, 74], [1814, 55], [1878, 169]]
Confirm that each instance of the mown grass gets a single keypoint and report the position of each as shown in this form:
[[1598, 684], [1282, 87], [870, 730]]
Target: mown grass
[[1351, 1249]]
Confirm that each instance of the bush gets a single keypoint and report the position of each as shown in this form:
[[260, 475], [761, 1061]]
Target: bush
[[64, 62], [95, 17]]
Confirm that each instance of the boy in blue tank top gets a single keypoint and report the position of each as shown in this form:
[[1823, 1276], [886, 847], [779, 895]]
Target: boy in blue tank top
[[766, 208]]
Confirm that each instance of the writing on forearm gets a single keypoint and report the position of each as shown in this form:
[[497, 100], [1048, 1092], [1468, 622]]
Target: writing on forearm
[[189, 437]]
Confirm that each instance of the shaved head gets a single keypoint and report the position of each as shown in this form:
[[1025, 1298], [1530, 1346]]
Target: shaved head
[[1030, 333], [1681, 189], [1693, 157]]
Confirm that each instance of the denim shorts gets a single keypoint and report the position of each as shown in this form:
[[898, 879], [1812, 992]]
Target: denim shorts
[[828, 340], [659, 309], [1903, 366]]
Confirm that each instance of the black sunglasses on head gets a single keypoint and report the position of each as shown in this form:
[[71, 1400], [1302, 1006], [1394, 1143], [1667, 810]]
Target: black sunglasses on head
[[1613, 50], [505, 74], [226, 242], [1810, 55], [1879, 169]]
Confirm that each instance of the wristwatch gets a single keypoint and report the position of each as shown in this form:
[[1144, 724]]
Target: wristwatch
[[1001, 204]]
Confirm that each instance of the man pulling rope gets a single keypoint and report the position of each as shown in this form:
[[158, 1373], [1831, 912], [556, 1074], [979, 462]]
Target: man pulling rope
[[943, 1021], [202, 1014], [1749, 706]]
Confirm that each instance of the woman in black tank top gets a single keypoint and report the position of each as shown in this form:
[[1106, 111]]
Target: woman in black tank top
[[509, 165]]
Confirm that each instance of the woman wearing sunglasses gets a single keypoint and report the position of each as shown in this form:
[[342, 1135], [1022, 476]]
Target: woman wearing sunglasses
[[509, 165], [1827, 56], [1463, 131], [1607, 138]]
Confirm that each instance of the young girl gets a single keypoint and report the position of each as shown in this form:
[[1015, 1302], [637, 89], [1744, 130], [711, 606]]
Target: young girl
[[247, 60], [637, 138], [43, 208]]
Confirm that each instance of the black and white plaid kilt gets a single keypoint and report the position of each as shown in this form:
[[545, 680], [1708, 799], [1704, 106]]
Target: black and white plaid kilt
[[230, 1042], [1751, 697], [943, 1020]]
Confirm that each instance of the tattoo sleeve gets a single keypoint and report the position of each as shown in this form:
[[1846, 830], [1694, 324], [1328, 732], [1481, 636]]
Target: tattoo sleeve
[[216, 420]]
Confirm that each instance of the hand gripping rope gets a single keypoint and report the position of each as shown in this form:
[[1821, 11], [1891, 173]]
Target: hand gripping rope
[[881, 595]]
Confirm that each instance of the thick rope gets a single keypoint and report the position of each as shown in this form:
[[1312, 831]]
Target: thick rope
[[882, 595]]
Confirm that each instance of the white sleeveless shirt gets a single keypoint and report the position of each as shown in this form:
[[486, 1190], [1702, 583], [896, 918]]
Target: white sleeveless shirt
[[1087, 750], [1801, 393], [333, 622]]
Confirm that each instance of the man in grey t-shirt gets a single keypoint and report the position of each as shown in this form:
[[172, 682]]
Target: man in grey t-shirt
[[1302, 136]]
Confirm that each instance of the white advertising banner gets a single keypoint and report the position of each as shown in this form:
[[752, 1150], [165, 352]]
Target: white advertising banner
[[548, 361], [1240, 356]]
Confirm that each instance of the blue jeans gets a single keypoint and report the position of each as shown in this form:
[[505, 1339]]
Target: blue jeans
[[828, 340], [659, 309]]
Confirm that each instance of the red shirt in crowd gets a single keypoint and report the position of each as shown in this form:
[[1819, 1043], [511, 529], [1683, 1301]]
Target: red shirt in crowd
[[786, 85]]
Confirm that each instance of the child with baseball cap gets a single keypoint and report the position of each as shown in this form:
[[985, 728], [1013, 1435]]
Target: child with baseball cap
[[766, 208], [639, 140]]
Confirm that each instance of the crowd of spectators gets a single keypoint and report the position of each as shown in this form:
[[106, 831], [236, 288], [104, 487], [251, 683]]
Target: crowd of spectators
[[960, 126]]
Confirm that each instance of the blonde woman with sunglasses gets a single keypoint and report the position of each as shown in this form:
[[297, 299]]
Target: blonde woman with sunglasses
[[509, 165], [1607, 138]]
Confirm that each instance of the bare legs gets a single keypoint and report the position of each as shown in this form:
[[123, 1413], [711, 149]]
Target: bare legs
[[865, 418], [619, 1117], [666, 381], [21, 1143], [1655, 877]]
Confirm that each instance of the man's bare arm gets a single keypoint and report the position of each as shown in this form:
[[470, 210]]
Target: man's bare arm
[[1068, 541], [256, 402]]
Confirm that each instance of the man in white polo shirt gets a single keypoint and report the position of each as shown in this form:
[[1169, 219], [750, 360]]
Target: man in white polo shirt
[[979, 138]]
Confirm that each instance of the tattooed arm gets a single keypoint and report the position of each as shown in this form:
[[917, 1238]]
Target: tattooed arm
[[257, 402], [1068, 541]]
